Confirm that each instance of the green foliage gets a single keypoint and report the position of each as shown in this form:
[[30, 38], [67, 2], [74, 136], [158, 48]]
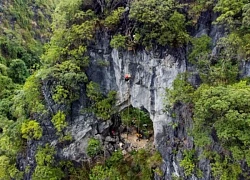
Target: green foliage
[[188, 162], [6, 86], [94, 147], [46, 165], [246, 15], [159, 22], [230, 11], [31, 130], [45, 156], [8, 169], [23, 39], [224, 68], [223, 110], [136, 117], [60, 94], [18, 71], [116, 159], [113, 20], [29, 99], [94, 91], [10, 139], [233, 46], [76, 173], [59, 121], [219, 104], [60, 124], [182, 91], [69, 76], [5, 107], [197, 7], [224, 72], [79, 28], [225, 169], [101, 173], [105, 108], [118, 41], [3, 70], [139, 165], [102, 106], [10, 145], [146, 162], [200, 50]]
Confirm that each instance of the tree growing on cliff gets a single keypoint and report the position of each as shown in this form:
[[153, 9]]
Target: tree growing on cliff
[[159, 22], [221, 115], [31, 130]]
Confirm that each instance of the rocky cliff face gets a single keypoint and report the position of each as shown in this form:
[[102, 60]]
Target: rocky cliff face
[[151, 73]]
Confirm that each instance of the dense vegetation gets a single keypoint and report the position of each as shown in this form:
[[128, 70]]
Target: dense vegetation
[[220, 103]]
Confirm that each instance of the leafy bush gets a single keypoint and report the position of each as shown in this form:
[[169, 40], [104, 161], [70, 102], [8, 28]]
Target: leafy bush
[[8, 169], [118, 41], [7, 86], [100, 173], [18, 71], [225, 110], [158, 22], [116, 159], [59, 121], [222, 69], [94, 91], [79, 28], [229, 9], [60, 94], [30, 98], [139, 165], [69, 76], [113, 19], [94, 147], [31, 130], [3, 70], [224, 169], [102, 106], [188, 162], [182, 91], [201, 49], [197, 7], [46, 165]]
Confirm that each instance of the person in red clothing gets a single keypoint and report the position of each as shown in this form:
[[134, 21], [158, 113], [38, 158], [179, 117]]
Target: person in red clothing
[[127, 77]]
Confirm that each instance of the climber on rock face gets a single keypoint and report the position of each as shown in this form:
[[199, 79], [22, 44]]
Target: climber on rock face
[[127, 77]]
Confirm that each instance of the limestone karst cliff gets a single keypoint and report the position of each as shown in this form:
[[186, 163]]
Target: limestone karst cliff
[[66, 111]]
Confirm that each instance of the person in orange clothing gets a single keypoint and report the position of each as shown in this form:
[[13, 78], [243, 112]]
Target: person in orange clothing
[[127, 77]]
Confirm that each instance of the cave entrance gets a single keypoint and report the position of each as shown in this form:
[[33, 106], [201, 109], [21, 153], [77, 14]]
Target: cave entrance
[[138, 127]]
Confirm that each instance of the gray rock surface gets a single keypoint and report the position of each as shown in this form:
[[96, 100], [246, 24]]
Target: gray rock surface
[[151, 73]]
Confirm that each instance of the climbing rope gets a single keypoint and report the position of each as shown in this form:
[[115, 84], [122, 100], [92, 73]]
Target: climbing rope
[[128, 105], [138, 128]]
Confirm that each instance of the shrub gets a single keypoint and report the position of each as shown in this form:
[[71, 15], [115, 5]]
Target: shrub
[[46, 166], [158, 22], [113, 19], [118, 41], [102, 106], [59, 121], [94, 147], [31, 130], [188, 162]]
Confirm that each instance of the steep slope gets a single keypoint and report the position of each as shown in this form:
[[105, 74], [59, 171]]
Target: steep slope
[[25, 27], [70, 113]]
